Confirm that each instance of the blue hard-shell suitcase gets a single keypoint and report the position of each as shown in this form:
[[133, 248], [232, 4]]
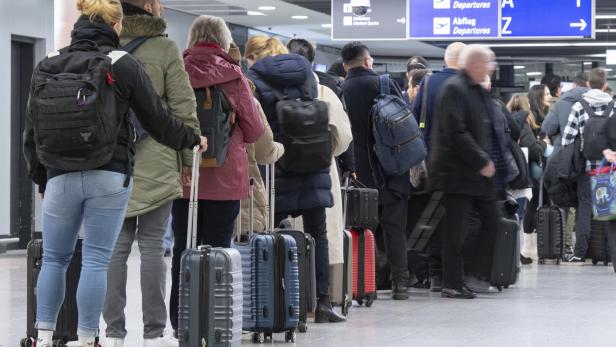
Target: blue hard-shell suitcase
[[271, 282]]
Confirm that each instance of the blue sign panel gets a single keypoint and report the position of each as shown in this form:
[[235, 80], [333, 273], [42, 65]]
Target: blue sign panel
[[547, 18], [453, 19], [494, 19]]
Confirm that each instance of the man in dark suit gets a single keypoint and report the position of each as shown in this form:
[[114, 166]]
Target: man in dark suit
[[463, 164], [360, 88]]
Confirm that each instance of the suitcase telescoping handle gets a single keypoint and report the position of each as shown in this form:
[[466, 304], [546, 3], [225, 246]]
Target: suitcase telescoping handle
[[270, 187], [193, 205]]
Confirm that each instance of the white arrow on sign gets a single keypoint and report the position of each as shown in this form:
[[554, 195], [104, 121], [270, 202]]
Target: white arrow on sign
[[579, 3], [582, 24], [401, 20]]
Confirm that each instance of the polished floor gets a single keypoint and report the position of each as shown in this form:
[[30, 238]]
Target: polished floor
[[567, 305]]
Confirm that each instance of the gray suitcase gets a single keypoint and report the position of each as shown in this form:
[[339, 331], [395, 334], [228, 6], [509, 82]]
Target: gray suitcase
[[341, 278], [211, 299]]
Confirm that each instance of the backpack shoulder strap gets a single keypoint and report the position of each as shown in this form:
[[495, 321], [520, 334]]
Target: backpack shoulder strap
[[588, 109], [424, 102], [610, 109], [384, 83], [134, 44]]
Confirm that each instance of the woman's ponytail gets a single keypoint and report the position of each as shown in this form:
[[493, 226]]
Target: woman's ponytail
[[109, 11]]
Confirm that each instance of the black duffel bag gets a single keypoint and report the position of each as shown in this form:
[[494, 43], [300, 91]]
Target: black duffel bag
[[361, 205]]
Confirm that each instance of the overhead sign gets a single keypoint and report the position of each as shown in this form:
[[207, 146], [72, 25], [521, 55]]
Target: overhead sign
[[369, 20], [463, 19]]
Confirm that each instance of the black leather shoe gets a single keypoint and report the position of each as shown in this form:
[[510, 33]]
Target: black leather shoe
[[436, 285], [525, 260], [399, 290], [457, 294], [325, 312]]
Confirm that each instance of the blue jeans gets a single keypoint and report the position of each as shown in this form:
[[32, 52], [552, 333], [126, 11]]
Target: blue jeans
[[169, 235], [99, 199]]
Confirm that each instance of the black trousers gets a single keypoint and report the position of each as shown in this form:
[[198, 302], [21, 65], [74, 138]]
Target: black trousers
[[393, 213], [459, 209], [216, 223], [315, 225]]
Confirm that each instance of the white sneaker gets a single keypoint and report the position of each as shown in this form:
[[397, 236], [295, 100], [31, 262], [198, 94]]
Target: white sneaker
[[114, 342], [165, 341], [82, 342]]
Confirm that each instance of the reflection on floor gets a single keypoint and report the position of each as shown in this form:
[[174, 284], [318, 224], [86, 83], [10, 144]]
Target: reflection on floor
[[565, 305]]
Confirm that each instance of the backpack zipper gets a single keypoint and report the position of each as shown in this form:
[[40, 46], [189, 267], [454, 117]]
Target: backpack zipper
[[399, 146]]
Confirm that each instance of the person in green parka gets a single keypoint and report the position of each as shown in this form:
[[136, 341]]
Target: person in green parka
[[157, 180]]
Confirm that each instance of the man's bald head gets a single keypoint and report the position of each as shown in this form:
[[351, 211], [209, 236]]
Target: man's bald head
[[452, 54], [477, 61]]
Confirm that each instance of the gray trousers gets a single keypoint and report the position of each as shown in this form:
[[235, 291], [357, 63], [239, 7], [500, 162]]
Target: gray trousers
[[149, 229]]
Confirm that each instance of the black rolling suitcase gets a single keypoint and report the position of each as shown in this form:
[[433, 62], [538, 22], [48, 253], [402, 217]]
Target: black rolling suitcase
[[506, 259], [550, 231], [597, 244], [307, 275], [66, 326], [211, 299]]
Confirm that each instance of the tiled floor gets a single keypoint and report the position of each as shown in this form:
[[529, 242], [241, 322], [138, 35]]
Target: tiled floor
[[562, 306]]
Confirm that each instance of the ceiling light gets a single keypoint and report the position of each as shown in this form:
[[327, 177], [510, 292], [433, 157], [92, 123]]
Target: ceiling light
[[606, 16], [255, 13], [606, 30], [534, 73], [587, 63], [299, 17], [327, 25], [553, 44], [519, 67], [267, 8], [608, 69]]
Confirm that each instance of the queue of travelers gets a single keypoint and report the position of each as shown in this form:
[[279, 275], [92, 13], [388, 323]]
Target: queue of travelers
[[146, 177]]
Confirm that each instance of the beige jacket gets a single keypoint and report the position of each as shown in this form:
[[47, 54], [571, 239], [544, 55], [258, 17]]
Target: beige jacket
[[265, 151]]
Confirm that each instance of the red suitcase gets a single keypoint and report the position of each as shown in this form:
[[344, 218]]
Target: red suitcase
[[364, 283]]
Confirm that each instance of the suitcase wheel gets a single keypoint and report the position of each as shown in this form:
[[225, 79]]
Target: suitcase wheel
[[506, 287], [542, 261], [26, 342], [289, 336], [59, 343], [558, 261], [258, 337], [500, 288], [302, 327]]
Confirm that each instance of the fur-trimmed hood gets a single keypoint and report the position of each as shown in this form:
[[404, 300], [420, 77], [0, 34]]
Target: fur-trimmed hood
[[143, 25]]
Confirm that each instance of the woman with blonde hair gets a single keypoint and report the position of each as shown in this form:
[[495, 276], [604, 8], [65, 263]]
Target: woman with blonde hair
[[220, 188], [96, 198], [274, 71], [529, 118]]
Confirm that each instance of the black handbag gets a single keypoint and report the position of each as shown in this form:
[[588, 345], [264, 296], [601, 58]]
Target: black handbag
[[361, 205]]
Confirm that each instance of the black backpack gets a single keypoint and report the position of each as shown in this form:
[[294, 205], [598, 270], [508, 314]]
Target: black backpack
[[304, 126], [522, 180], [215, 114], [596, 131], [73, 108]]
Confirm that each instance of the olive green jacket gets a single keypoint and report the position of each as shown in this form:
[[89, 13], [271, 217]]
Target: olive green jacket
[[157, 168]]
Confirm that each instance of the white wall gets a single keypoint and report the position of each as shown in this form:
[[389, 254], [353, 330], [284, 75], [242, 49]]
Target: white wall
[[29, 18], [178, 24]]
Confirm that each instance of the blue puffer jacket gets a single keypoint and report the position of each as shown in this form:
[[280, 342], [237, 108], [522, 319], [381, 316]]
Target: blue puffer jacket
[[289, 72]]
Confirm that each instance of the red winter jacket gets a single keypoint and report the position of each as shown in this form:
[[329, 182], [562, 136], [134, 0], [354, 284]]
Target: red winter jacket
[[208, 65]]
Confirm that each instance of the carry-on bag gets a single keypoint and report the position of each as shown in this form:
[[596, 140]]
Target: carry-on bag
[[429, 221], [362, 206], [210, 300], [341, 277], [66, 326], [506, 259], [603, 189], [271, 278], [307, 274], [550, 230], [597, 243], [363, 254]]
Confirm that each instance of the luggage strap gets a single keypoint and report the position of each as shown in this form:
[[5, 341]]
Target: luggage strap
[[424, 103]]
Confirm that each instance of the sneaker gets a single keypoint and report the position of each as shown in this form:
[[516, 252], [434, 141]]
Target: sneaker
[[163, 341], [399, 290], [476, 285], [575, 259]]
